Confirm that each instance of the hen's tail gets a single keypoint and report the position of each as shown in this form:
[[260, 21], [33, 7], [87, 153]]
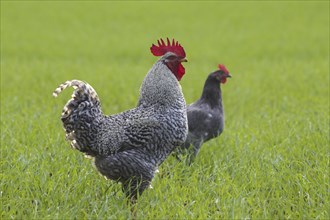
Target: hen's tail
[[81, 115]]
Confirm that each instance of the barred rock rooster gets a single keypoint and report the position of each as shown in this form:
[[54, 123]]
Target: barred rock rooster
[[206, 115], [128, 147]]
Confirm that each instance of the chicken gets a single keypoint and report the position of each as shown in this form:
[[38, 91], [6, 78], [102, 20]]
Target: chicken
[[128, 147], [206, 115]]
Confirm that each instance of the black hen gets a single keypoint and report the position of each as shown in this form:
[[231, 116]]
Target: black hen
[[206, 115]]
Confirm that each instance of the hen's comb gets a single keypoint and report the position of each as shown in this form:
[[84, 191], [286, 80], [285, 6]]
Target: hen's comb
[[162, 48], [223, 68]]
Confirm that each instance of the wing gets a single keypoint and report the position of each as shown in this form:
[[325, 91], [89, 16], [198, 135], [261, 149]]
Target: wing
[[140, 132], [126, 131], [203, 121]]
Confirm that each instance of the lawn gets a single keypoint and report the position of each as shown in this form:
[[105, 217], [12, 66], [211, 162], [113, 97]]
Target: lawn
[[271, 162]]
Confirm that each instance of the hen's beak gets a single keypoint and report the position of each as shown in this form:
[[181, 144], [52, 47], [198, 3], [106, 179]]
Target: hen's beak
[[229, 75], [183, 60]]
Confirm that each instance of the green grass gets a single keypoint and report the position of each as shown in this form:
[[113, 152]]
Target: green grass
[[272, 161]]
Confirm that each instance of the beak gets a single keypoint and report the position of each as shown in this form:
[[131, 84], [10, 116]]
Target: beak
[[183, 60], [229, 75]]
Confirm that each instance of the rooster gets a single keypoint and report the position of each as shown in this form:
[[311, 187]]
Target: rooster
[[129, 146], [206, 115]]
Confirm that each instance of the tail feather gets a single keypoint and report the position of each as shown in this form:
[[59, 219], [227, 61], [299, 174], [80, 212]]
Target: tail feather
[[80, 115], [82, 90]]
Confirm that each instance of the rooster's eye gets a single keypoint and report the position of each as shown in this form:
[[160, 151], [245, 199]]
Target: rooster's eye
[[171, 58]]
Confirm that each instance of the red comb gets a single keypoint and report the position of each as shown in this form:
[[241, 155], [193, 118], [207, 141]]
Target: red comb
[[162, 48], [223, 68]]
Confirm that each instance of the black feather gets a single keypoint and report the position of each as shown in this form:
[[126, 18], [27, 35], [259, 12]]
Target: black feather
[[205, 116]]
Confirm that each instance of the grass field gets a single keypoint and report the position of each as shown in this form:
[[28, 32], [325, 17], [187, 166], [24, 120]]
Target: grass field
[[271, 162]]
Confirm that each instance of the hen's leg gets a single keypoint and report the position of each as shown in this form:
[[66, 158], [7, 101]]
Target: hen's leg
[[194, 149]]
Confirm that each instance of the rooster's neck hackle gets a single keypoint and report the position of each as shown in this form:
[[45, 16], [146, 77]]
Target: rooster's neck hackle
[[160, 87]]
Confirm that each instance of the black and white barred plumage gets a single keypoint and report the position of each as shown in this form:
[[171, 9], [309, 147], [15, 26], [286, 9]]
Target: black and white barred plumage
[[128, 147]]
